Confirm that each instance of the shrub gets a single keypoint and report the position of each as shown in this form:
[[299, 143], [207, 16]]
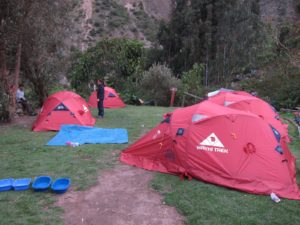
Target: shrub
[[118, 57], [92, 32], [156, 84], [193, 79], [281, 90]]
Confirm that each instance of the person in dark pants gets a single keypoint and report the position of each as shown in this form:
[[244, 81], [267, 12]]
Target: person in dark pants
[[20, 98], [100, 98]]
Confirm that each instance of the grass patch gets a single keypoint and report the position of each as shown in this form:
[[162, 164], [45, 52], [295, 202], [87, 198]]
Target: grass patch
[[203, 203], [23, 154]]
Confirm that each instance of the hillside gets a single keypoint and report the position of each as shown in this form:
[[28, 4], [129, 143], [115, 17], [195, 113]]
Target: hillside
[[136, 19], [139, 19]]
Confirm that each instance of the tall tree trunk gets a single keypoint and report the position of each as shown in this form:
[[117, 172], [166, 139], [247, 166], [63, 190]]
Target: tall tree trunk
[[214, 27], [15, 82], [3, 67], [42, 92]]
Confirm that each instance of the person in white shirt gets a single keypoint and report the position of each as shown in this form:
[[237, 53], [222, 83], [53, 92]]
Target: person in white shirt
[[20, 97]]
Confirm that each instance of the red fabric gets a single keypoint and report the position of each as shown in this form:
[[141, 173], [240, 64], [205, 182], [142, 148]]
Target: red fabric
[[76, 112], [220, 145], [109, 102], [254, 105]]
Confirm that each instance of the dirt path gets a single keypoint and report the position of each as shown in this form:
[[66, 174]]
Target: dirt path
[[24, 121], [121, 197]]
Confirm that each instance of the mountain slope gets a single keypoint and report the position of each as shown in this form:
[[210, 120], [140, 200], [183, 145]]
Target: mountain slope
[[139, 19], [135, 19]]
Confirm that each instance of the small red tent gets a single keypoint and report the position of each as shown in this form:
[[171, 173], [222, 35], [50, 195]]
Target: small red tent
[[64, 107], [111, 99], [249, 103], [219, 145]]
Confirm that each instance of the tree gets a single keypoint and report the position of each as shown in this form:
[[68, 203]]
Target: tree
[[29, 34], [118, 57], [45, 51], [13, 15], [225, 36]]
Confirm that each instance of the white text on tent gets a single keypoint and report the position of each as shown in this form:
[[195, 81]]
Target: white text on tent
[[212, 149]]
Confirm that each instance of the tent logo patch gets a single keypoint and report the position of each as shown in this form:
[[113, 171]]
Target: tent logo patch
[[212, 144]]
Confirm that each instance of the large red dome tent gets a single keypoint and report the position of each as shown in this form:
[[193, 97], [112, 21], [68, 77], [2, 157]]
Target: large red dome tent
[[64, 107], [220, 145], [249, 103], [111, 99]]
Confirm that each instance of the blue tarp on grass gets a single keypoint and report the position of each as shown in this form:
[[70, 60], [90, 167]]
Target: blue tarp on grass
[[89, 135]]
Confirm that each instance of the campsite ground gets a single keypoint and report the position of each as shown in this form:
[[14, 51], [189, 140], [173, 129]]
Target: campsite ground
[[95, 172]]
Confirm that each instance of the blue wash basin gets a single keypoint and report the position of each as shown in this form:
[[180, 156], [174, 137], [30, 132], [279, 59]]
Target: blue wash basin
[[61, 185], [6, 184], [21, 184], [41, 183]]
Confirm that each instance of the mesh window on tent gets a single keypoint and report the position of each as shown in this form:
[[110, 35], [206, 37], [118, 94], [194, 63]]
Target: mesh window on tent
[[61, 107], [111, 95]]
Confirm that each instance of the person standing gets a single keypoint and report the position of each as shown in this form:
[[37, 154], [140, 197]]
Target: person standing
[[100, 98]]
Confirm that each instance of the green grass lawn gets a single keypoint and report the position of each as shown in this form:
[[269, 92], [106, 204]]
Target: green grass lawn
[[23, 154]]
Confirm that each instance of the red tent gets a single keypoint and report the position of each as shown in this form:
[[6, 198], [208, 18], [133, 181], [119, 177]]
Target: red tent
[[64, 107], [249, 103], [225, 90], [219, 145], [111, 99]]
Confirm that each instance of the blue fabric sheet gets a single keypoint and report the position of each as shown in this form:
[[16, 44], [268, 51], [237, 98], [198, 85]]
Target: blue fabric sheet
[[89, 135]]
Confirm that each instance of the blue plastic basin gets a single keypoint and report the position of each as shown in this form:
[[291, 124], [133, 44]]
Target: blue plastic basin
[[41, 183], [6, 184], [21, 184], [61, 185]]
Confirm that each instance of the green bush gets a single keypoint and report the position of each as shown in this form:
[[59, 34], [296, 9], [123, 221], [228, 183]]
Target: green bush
[[281, 90], [192, 80], [118, 59], [118, 16], [156, 84], [93, 32]]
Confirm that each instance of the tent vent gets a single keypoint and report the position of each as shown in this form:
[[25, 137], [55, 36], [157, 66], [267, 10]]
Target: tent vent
[[197, 117], [169, 154], [279, 149], [276, 133], [227, 103], [166, 120], [111, 95], [61, 107], [180, 131]]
